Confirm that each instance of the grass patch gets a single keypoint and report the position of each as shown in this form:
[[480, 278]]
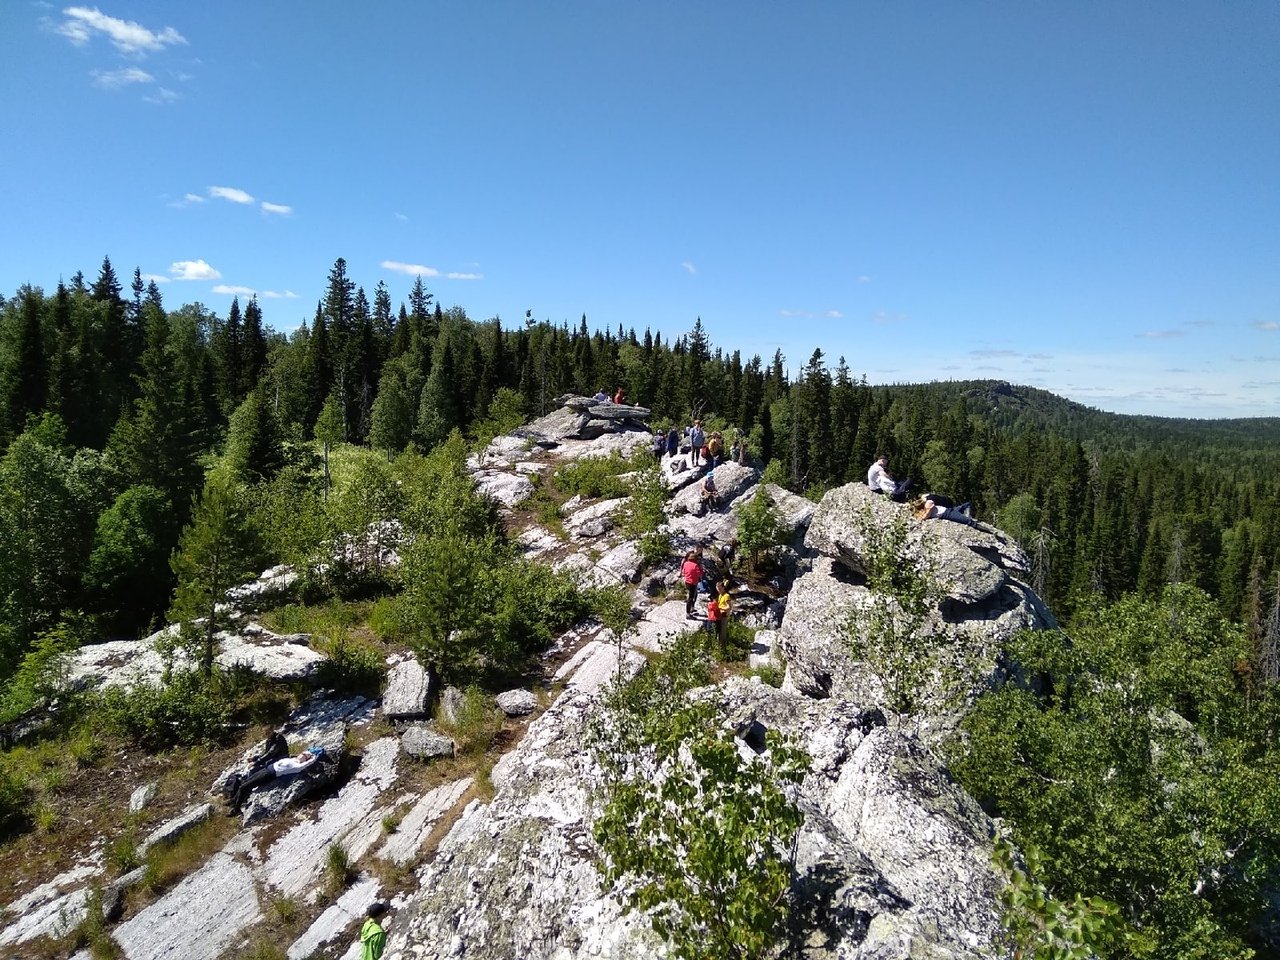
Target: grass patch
[[167, 864], [475, 725], [338, 872]]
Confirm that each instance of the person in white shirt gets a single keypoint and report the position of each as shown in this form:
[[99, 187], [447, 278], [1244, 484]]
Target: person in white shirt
[[286, 767], [880, 480]]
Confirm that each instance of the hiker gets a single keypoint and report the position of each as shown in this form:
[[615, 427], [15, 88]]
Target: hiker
[[881, 481], [659, 445], [673, 441], [722, 604], [726, 555], [691, 574], [928, 508], [710, 495], [714, 445], [286, 767], [696, 439], [601, 396], [619, 397], [373, 939]]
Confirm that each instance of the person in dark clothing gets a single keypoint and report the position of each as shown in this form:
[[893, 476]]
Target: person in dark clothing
[[286, 766], [673, 442], [276, 748]]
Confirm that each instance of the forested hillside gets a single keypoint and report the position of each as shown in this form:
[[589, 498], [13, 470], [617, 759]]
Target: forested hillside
[[141, 397], [153, 455]]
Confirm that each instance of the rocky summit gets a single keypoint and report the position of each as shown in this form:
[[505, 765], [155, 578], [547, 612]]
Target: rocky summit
[[893, 859]]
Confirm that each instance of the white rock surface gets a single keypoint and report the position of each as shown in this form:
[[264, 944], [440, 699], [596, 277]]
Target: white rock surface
[[408, 690], [295, 861], [142, 796], [172, 829], [54, 918], [403, 845], [344, 917], [517, 703], [421, 741], [507, 489], [200, 918], [594, 521]]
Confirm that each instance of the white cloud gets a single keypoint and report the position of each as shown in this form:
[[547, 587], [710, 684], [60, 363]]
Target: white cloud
[[274, 295], [864, 279], [834, 315], [193, 270], [1162, 334], [402, 218], [1267, 325], [193, 198], [156, 277], [233, 194], [229, 289], [789, 314], [162, 96], [689, 267], [127, 36], [115, 79], [279, 208], [464, 276], [410, 269]]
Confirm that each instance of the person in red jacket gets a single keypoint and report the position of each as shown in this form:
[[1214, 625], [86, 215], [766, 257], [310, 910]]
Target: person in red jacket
[[691, 574]]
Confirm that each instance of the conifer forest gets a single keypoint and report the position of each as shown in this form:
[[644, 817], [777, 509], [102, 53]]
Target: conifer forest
[[154, 454]]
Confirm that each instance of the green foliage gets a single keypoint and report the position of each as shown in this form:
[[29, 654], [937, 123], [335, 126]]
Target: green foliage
[[217, 551], [693, 835], [354, 666], [643, 516], [889, 632], [41, 676], [189, 708], [760, 528], [128, 570], [775, 473], [506, 412], [596, 477], [1040, 927], [1142, 770], [255, 450], [477, 722]]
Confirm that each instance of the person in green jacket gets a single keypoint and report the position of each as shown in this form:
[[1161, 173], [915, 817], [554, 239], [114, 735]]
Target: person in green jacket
[[373, 939]]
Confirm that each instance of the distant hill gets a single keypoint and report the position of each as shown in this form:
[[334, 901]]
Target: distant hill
[[1019, 408]]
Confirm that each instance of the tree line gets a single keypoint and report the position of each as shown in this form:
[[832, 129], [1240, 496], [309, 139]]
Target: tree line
[[113, 409]]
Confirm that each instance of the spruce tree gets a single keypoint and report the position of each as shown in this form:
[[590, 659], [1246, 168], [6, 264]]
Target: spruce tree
[[253, 360]]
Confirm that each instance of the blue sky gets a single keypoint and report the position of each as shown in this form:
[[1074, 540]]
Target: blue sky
[[1079, 196]]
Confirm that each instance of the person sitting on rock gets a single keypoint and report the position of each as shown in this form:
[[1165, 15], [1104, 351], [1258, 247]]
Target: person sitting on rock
[[710, 496], [619, 397], [725, 556], [926, 508], [880, 480], [601, 396], [286, 767]]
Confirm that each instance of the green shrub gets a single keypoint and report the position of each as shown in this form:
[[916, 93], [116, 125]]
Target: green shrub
[[353, 665], [596, 476], [15, 802], [188, 709], [477, 723]]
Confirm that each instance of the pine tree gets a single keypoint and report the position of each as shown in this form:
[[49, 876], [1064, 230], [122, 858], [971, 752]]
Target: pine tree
[[392, 414], [24, 379], [255, 452], [437, 412], [228, 349], [214, 553], [253, 359]]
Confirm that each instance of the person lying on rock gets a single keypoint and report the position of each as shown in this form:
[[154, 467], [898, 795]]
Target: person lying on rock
[[276, 748], [287, 767], [601, 396], [880, 480], [927, 508]]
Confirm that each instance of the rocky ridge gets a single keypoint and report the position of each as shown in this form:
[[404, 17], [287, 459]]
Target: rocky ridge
[[893, 859]]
